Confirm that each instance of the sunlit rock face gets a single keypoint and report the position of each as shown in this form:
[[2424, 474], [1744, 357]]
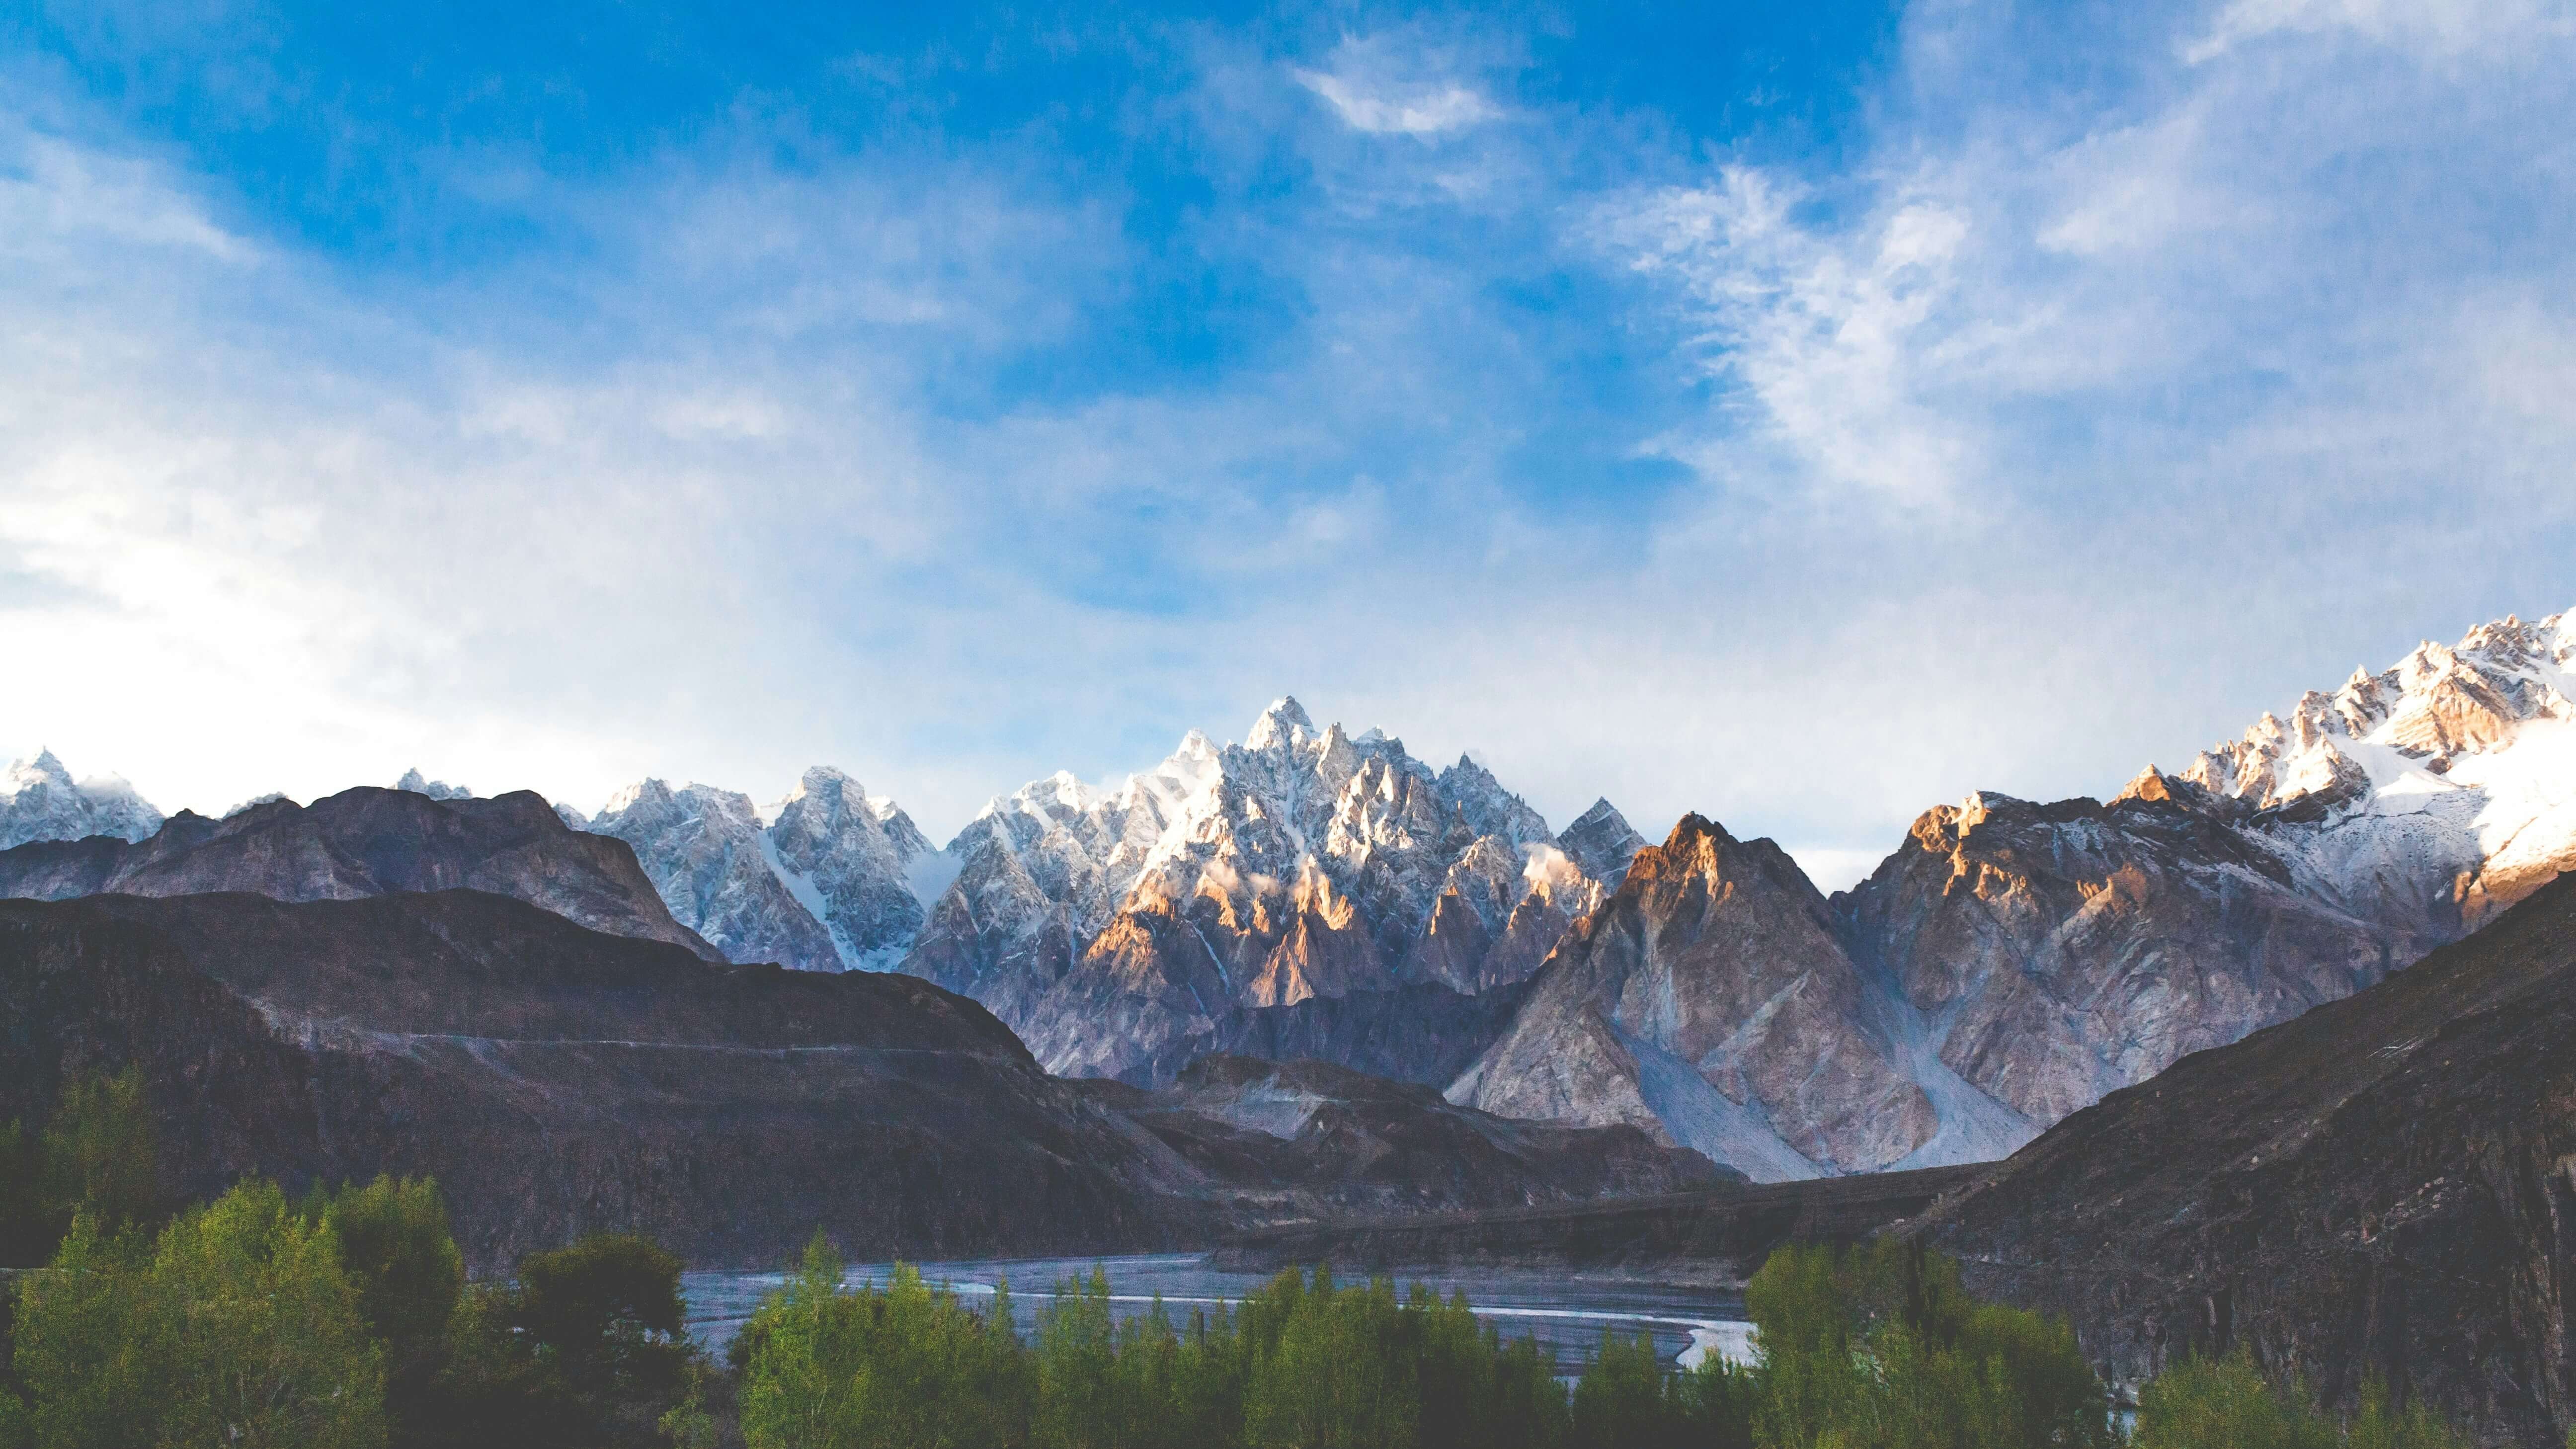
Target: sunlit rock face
[[39, 800], [2070, 949], [1124, 931], [1711, 1000]]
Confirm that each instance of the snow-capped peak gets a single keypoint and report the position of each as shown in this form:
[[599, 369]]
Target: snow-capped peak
[[2435, 790], [419, 784], [39, 800], [1284, 725], [43, 770], [2421, 714]]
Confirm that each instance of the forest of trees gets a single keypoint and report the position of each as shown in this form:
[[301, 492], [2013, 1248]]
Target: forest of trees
[[344, 1320]]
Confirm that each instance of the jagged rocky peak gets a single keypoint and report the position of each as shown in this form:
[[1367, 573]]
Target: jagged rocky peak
[[1283, 726], [419, 784], [821, 880], [39, 800], [1601, 843], [1302, 864], [849, 858], [2425, 711]]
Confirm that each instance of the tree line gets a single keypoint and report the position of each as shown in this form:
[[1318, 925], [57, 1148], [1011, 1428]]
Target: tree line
[[344, 1320]]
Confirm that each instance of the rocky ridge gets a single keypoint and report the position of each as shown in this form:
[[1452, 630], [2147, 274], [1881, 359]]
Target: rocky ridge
[[361, 843], [2012, 962], [823, 880]]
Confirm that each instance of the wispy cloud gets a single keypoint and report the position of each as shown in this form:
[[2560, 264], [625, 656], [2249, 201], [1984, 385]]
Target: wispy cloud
[[1417, 110]]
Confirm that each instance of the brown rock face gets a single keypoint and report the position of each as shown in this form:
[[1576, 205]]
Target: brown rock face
[[367, 842], [1710, 997], [2379, 1188], [2075, 948]]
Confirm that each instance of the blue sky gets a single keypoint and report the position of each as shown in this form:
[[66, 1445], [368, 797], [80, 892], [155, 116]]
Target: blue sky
[[1799, 414]]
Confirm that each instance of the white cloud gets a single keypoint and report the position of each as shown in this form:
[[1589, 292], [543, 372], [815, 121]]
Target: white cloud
[[1839, 338], [2055, 437], [1417, 110]]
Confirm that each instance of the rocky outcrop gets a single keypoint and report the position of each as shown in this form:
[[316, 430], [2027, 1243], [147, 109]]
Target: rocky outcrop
[[1322, 1141], [365, 842], [821, 881], [1124, 932], [2378, 1188], [39, 800], [1710, 1001]]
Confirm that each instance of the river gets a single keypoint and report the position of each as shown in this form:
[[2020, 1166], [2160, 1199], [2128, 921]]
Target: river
[[1565, 1314]]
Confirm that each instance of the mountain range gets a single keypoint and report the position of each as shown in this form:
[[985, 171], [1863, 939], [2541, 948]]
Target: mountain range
[[1315, 894]]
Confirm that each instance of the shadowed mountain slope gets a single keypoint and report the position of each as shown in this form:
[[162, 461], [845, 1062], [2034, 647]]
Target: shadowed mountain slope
[[557, 1080], [2384, 1186]]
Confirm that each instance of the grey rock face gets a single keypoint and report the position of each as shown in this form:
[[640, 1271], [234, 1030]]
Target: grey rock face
[[821, 882], [362, 843], [1600, 843], [2075, 948], [705, 852], [39, 800]]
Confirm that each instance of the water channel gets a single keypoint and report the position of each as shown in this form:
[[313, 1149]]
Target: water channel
[[1565, 1314]]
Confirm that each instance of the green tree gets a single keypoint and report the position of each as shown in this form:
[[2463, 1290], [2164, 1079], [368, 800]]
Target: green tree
[[1620, 1402], [102, 1152], [236, 1327], [1529, 1400], [2224, 1404], [871, 1369], [1339, 1375], [1881, 1346], [1207, 1383], [1077, 1348], [586, 1348], [99, 1150], [396, 1247]]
